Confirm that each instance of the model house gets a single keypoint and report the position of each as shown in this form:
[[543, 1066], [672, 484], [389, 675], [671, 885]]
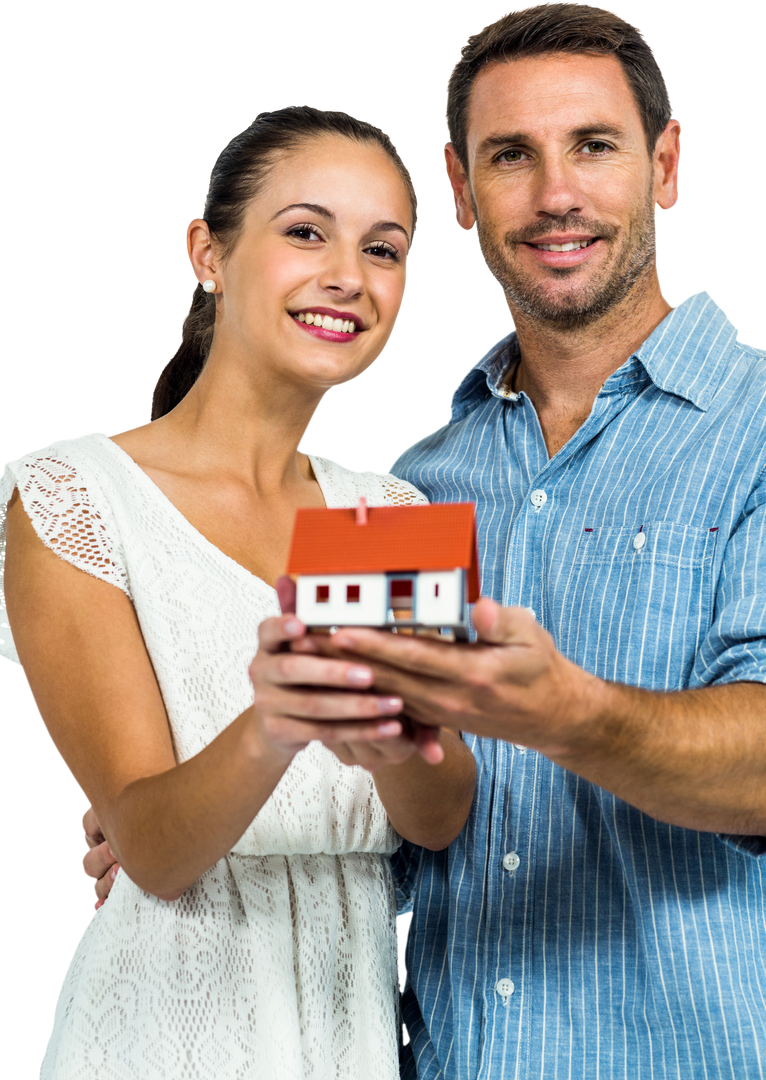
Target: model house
[[400, 566]]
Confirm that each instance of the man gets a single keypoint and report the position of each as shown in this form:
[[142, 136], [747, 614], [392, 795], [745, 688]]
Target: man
[[602, 913]]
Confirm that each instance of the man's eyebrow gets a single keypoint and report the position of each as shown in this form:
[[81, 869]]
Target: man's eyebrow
[[314, 208], [522, 138]]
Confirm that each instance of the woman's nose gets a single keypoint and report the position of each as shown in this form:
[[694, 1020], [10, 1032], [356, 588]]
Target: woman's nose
[[342, 273]]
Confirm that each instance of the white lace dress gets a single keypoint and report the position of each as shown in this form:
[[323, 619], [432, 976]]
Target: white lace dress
[[280, 961]]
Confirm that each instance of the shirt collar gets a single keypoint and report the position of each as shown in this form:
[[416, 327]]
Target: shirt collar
[[685, 355]]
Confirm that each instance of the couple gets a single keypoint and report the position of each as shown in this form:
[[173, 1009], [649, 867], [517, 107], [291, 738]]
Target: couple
[[585, 861]]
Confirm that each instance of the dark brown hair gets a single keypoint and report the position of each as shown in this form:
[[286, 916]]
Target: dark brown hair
[[238, 175], [559, 28]]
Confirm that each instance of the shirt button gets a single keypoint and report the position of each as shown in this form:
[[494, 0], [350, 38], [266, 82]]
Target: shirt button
[[639, 541], [511, 862], [505, 988], [521, 749], [538, 498]]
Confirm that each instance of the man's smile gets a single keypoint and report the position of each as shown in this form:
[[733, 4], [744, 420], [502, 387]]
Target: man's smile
[[562, 252]]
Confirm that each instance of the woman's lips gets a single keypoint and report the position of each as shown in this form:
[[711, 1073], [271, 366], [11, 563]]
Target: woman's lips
[[327, 335]]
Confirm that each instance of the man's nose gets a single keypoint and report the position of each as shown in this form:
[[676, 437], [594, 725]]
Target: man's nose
[[558, 192]]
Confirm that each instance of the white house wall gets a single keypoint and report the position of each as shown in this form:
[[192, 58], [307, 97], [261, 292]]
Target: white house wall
[[446, 609], [369, 611]]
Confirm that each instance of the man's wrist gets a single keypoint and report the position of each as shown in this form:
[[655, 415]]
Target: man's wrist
[[592, 719]]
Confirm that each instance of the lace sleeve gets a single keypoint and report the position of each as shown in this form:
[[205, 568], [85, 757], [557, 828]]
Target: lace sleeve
[[342, 487], [70, 515]]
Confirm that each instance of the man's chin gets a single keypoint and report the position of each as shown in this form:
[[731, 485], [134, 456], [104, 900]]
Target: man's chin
[[560, 312]]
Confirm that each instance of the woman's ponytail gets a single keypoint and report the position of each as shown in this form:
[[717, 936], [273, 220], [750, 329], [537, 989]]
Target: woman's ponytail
[[180, 375]]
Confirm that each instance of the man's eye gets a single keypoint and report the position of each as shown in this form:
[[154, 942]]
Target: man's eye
[[595, 146], [511, 156]]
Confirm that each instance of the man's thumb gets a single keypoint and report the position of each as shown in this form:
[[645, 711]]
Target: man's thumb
[[496, 625]]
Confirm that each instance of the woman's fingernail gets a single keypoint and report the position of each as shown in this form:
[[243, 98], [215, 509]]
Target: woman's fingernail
[[359, 676], [99, 904], [390, 704], [292, 626], [392, 727], [113, 872]]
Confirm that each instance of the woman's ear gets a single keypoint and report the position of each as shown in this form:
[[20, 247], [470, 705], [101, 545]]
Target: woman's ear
[[198, 248]]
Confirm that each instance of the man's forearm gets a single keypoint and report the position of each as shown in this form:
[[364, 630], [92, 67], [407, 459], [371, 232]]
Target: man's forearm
[[429, 804], [695, 758]]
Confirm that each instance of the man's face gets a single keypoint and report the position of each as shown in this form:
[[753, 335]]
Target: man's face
[[557, 157]]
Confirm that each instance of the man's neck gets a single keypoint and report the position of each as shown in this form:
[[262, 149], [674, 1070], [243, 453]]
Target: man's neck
[[562, 371]]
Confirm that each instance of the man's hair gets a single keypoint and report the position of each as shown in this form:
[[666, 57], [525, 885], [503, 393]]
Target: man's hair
[[559, 28]]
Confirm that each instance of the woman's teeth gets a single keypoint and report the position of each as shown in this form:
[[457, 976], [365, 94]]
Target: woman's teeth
[[341, 326], [572, 246]]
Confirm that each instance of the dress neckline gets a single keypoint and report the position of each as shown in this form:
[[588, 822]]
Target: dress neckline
[[319, 466]]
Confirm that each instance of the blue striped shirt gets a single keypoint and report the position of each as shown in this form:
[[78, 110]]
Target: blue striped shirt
[[565, 934]]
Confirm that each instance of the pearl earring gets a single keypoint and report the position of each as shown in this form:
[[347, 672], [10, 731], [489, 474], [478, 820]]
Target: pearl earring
[[209, 285]]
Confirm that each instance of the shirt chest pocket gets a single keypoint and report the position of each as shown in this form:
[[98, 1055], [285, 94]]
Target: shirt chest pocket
[[633, 604]]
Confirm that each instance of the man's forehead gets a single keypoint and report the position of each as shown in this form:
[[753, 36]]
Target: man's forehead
[[563, 91]]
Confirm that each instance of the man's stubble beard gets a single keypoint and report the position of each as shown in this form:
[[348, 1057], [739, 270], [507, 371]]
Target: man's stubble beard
[[584, 306]]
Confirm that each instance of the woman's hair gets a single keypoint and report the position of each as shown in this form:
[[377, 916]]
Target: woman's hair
[[559, 27], [239, 175]]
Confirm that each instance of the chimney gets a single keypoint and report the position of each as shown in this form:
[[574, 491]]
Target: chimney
[[361, 511]]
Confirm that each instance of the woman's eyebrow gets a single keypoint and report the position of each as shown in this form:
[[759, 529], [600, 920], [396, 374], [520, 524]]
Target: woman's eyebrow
[[314, 208]]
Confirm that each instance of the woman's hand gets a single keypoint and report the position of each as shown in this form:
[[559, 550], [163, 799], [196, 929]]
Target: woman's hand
[[100, 862], [415, 739], [302, 697], [371, 754]]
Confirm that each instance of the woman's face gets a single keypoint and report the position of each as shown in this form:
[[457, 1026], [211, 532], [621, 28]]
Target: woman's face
[[313, 285]]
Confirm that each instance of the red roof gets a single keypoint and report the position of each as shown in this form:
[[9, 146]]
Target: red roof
[[441, 536]]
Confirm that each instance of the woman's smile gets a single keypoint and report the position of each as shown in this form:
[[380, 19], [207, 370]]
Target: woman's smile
[[329, 324]]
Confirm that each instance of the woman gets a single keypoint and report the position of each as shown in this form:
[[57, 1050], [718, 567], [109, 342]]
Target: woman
[[252, 930]]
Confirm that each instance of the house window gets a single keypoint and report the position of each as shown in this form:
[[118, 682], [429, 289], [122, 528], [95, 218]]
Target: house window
[[436, 589], [323, 594], [401, 590], [352, 594]]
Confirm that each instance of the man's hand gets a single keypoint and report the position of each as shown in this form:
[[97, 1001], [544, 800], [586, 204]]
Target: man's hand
[[100, 862], [694, 758], [511, 684]]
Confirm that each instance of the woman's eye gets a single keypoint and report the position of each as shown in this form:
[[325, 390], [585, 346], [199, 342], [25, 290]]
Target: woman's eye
[[510, 157], [382, 251], [307, 230], [595, 146]]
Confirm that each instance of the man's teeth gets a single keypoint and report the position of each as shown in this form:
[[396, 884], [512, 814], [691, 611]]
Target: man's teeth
[[341, 326], [572, 246]]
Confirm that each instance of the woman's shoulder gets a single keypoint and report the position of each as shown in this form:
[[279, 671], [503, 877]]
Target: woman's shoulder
[[63, 457], [344, 487]]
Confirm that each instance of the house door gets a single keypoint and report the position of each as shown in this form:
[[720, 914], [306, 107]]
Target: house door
[[401, 597]]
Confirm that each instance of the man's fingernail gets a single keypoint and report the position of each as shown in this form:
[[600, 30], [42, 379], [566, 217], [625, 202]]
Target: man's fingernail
[[359, 676], [390, 704], [292, 626], [392, 727]]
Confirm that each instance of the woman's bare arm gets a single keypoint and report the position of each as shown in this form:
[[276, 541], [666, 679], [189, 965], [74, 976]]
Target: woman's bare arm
[[81, 646]]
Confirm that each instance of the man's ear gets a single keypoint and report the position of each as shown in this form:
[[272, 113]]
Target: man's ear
[[460, 188], [665, 160], [201, 254]]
